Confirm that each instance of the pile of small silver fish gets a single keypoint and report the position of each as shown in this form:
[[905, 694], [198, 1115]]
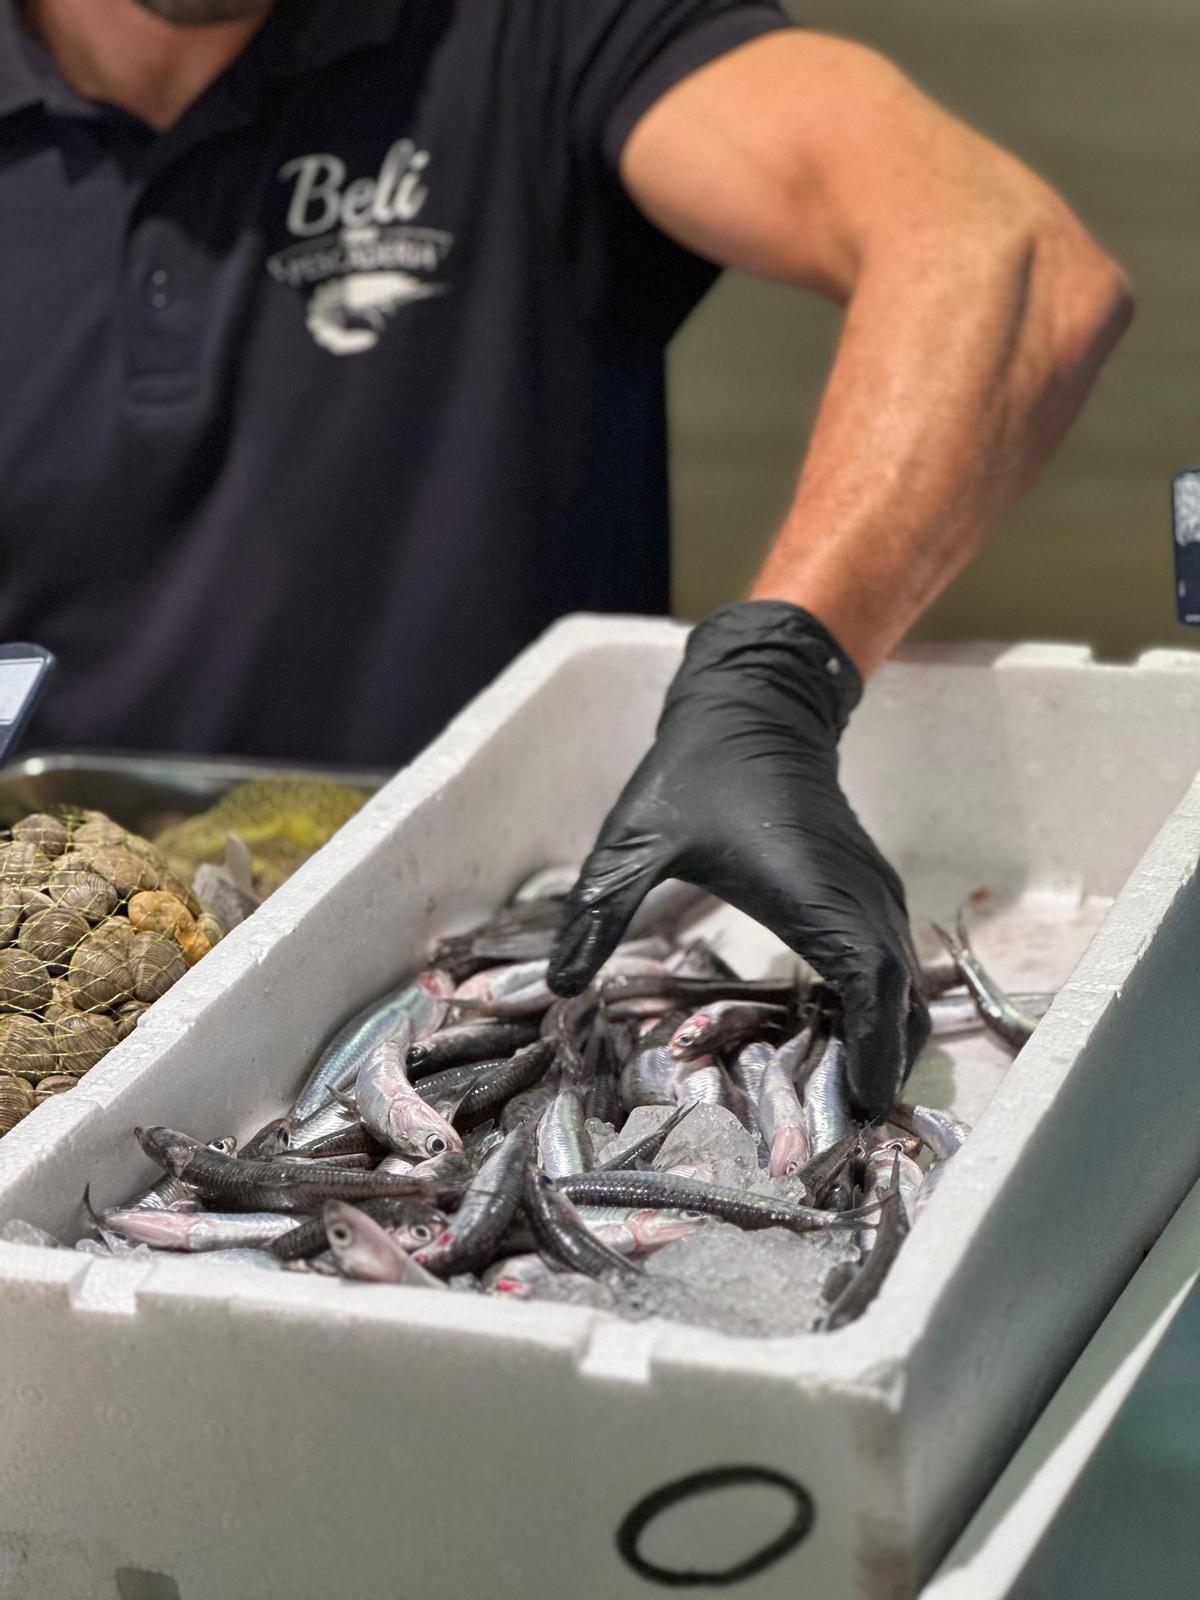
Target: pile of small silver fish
[[675, 1126]]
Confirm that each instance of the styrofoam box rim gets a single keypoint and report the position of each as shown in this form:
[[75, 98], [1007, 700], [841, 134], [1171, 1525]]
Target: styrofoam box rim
[[867, 1357]]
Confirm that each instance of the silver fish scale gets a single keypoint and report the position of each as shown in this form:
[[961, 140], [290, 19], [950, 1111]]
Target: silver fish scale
[[564, 1145], [409, 1009], [827, 1115], [702, 1083]]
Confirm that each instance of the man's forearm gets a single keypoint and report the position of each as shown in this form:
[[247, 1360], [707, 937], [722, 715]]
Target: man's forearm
[[979, 309], [962, 364]]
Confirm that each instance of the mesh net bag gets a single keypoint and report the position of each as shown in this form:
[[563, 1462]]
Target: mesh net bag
[[94, 928]]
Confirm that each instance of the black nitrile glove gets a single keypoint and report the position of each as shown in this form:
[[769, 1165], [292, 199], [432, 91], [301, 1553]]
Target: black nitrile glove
[[739, 794]]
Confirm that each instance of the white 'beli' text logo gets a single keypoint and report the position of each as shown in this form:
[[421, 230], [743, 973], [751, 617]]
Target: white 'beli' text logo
[[359, 247]]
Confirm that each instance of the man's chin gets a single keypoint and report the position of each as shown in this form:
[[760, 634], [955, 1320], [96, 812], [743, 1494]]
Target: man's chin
[[204, 13]]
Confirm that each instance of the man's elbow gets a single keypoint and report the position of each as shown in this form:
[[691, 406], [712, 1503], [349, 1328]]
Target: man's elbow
[[1091, 297]]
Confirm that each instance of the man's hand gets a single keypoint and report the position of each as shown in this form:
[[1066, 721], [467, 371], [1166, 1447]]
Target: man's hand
[[739, 794]]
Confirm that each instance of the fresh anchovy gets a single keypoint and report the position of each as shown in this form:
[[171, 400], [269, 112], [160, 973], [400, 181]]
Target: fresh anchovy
[[746, 1072], [413, 1223], [396, 1163], [561, 1233], [822, 1175], [197, 1230], [602, 1072], [331, 1130], [638, 1233], [748, 1069], [516, 1275], [563, 1142], [529, 1104], [412, 1011], [723, 1024], [516, 933], [366, 1251], [649, 1078], [481, 1141], [445, 1089], [696, 991], [170, 1192], [743, 1207], [827, 1115], [492, 1089], [953, 1014], [266, 1185], [349, 1161], [394, 1112], [469, 1240], [800, 1056], [880, 1165], [700, 1082], [865, 1285], [464, 1042], [495, 984], [560, 1026], [944, 1134], [999, 1013], [272, 1139], [645, 1150], [782, 1119], [498, 994]]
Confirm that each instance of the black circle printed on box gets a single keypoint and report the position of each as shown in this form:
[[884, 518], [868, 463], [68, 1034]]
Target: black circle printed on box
[[697, 1483]]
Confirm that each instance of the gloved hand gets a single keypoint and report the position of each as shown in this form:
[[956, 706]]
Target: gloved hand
[[739, 794]]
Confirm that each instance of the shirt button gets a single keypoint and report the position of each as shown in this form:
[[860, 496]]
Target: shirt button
[[158, 290]]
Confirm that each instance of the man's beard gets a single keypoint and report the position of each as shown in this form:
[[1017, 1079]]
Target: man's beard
[[202, 13]]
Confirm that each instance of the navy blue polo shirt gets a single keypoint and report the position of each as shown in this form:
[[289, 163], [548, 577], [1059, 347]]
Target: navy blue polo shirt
[[321, 404]]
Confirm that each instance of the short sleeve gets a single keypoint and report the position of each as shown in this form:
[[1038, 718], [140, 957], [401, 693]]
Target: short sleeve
[[612, 60], [647, 47]]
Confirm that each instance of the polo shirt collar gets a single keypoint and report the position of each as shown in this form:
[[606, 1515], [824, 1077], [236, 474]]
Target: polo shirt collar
[[300, 37]]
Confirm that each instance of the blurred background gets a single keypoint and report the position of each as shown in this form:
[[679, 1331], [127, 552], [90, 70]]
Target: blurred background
[[1100, 96]]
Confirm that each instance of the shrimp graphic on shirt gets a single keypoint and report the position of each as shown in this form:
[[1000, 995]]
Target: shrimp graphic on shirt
[[347, 315]]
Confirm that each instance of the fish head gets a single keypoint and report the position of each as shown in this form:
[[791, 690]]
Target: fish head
[[165, 1230], [361, 1248], [690, 1033], [171, 1150], [652, 1229], [417, 1128], [419, 1226], [273, 1140], [789, 1152]]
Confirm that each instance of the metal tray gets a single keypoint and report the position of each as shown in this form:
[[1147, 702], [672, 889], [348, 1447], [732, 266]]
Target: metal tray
[[143, 792]]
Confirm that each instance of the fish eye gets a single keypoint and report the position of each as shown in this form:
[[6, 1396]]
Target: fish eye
[[421, 1232], [692, 1216], [435, 1144], [339, 1233], [284, 1138]]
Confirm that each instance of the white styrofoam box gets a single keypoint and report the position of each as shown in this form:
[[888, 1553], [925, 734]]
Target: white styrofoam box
[[202, 1430]]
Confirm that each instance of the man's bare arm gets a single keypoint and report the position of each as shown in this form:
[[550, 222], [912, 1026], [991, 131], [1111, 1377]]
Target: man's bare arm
[[978, 309]]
